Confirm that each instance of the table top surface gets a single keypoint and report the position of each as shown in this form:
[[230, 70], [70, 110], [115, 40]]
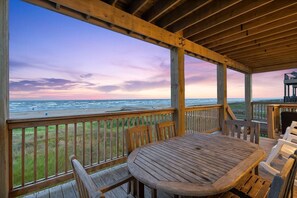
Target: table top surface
[[194, 165]]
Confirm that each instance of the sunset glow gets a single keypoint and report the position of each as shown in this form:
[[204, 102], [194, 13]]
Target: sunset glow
[[56, 57]]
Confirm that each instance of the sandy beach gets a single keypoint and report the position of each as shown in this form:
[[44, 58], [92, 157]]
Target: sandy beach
[[69, 112]]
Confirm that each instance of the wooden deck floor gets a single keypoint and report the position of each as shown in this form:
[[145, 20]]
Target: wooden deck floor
[[68, 190]]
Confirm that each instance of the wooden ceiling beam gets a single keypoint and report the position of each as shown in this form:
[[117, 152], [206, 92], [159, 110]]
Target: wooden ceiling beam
[[274, 62], [249, 16], [272, 39], [267, 45], [226, 15], [107, 14], [201, 14], [275, 67], [180, 12], [136, 6], [244, 30], [270, 34], [159, 9]]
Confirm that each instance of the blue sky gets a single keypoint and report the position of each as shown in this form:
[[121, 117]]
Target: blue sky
[[53, 56]]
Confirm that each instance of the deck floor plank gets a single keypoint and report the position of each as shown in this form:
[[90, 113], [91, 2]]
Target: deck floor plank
[[68, 190], [43, 194]]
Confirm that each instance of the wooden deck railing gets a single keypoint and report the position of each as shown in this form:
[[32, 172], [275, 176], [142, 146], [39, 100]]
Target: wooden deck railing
[[274, 116], [39, 148], [259, 110], [202, 119]]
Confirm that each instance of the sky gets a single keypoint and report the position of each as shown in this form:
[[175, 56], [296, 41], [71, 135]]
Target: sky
[[53, 56]]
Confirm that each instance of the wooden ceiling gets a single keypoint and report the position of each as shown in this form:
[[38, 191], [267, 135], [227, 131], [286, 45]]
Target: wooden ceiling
[[260, 34]]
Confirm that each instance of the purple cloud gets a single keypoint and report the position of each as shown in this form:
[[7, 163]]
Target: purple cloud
[[44, 84], [143, 85], [13, 64], [89, 75], [108, 88]]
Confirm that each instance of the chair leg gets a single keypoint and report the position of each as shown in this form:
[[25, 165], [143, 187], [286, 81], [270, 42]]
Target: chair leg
[[129, 187], [140, 187], [153, 193]]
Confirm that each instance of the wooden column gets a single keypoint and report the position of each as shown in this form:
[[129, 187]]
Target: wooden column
[[4, 79], [271, 117], [178, 88], [248, 97], [222, 93]]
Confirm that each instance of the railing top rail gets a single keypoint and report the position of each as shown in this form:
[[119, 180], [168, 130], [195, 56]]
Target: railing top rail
[[34, 122], [263, 102], [204, 107]]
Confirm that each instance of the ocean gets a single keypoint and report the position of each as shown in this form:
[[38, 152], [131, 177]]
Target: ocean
[[52, 105], [49, 108]]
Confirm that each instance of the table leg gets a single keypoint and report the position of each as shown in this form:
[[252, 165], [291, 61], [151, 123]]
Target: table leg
[[140, 191], [153, 193]]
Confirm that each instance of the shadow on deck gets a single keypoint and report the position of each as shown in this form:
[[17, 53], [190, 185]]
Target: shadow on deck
[[68, 190]]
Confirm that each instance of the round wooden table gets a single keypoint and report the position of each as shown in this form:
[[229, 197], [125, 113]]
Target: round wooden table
[[194, 165]]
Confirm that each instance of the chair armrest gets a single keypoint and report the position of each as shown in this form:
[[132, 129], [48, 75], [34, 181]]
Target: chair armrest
[[116, 183], [282, 141], [291, 137]]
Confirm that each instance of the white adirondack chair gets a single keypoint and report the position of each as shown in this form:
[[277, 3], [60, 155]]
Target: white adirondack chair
[[284, 147]]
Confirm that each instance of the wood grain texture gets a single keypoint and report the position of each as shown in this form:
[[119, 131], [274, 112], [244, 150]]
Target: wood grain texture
[[166, 130], [192, 165], [4, 101]]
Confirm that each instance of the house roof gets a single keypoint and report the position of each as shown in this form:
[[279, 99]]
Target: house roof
[[250, 36]]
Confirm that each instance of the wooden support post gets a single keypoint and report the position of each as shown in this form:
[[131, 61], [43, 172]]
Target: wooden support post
[[271, 120], [248, 97], [222, 94], [4, 79], [178, 88]]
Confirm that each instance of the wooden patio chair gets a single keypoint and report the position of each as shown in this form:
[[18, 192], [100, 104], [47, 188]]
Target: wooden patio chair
[[135, 137], [85, 185], [241, 129], [166, 130], [138, 136], [256, 186]]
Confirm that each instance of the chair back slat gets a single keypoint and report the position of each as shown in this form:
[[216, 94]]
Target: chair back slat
[[85, 185], [138, 136], [282, 183], [166, 130], [241, 129]]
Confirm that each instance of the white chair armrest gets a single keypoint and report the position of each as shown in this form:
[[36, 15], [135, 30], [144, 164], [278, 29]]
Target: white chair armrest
[[282, 141]]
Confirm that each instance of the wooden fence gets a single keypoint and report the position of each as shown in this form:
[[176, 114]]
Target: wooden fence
[[39, 148]]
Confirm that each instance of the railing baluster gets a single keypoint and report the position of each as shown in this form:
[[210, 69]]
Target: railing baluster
[[104, 141], [91, 143], [57, 149], [117, 137], [23, 156], [35, 154], [84, 143], [123, 137], [11, 179], [66, 148], [98, 140], [75, 139], [46, 153], [110, 140]]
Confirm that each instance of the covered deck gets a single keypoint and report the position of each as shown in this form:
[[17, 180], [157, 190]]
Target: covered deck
[[110, 175], [249, 37]]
